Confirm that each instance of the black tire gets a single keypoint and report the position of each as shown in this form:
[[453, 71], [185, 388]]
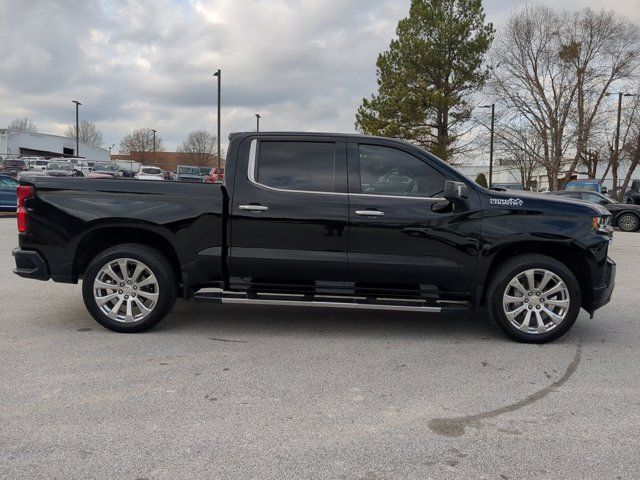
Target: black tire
[[507, 272], [628, 222], [156, 263]]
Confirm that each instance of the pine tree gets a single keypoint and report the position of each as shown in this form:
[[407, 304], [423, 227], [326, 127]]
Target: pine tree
[[424, 78]]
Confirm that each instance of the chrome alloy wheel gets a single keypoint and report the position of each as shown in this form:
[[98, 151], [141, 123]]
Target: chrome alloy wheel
[[126, 290], [628, 222], [536, 301]]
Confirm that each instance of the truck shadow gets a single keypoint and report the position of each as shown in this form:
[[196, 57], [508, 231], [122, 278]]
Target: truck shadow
[[249, 320]]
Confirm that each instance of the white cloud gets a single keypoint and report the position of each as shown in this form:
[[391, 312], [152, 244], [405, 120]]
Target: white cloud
[[301, 64]]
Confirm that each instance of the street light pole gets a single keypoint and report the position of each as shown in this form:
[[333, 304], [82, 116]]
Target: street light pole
[[154, 144], [493, 119], [77, 128], [257, 122], [219, 75]]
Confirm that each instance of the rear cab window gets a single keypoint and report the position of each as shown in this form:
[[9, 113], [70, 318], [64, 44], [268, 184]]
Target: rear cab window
[[303, 166]]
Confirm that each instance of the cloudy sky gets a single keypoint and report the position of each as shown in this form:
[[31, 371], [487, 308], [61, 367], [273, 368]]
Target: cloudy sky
[[301, 64]]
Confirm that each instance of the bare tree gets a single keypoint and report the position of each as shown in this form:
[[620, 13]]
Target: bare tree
[[630, 144], [602, 48], [200, 146], [555, 70], [89, 133], [535, 82], [25, 124], [517, 145], [139, 144]]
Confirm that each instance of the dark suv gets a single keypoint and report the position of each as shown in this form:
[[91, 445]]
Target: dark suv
[[13, 167], [633, 194]]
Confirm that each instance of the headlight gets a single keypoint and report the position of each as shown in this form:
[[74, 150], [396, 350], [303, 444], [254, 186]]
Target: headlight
[[601, 224]]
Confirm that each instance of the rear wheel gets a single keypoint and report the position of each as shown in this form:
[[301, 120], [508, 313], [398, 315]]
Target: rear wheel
[[129, 288], [628, 222], [534, 298]]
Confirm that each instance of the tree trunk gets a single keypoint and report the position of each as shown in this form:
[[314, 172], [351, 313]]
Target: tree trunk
[[634, 163]]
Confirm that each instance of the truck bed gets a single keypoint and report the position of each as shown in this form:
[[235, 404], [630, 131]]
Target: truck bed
[[67, 213]]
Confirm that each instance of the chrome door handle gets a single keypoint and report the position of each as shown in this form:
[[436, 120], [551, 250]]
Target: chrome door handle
[[254, 208], [370, 213]]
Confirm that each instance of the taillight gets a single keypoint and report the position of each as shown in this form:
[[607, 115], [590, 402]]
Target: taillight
[[24, 192]]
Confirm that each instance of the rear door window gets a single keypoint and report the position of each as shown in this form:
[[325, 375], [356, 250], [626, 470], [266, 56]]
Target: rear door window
[[292, 165]]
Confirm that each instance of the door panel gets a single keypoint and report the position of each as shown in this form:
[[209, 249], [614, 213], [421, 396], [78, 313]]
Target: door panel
[[417, 241], [281, 232]]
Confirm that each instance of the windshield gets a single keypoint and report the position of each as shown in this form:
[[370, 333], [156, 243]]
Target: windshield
[[152, 171], [59, 166], [105, 167], [582, 186], [189, 170], [14, 163]]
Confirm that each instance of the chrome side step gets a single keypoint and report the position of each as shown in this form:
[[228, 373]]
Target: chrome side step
[[288, 300]]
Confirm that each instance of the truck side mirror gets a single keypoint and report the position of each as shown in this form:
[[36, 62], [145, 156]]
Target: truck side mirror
[[455, 191]]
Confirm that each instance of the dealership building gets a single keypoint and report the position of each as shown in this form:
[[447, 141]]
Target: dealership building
[[18, 143]]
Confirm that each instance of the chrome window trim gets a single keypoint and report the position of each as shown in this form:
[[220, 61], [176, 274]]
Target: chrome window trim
[[251, 176]]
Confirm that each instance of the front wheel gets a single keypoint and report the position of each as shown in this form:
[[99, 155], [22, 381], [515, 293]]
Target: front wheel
[[534, 298], [628, 222], [129, 288]]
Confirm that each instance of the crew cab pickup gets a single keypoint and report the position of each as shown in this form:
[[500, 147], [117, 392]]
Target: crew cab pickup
[[326, 220]]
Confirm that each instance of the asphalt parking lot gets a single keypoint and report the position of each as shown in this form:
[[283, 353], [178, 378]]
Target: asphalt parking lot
[[302, 393]]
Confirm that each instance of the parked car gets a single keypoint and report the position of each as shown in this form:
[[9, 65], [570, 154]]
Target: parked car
[[186, 173], [8, 198], [128, 168], [589, 184], [33, 162], [214, 176], [507, 186], [624, 216], [13, 166], [38, 164], [105, 169], [150, 173], [80, 165], [633, 194], [289, 227], [57, 168], [26, 175]]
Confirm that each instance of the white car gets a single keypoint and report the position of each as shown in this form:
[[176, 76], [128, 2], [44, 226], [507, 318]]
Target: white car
[[35, 163], [80, 165], [39, 164], [150, 173]]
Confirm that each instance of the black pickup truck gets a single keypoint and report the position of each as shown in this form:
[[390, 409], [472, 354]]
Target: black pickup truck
[[328, 220]]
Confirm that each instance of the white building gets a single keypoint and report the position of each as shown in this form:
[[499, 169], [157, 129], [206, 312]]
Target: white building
[[511, 174], [16, 143]]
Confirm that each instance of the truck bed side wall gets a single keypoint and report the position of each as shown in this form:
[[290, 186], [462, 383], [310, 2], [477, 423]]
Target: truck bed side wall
[[70, 213]]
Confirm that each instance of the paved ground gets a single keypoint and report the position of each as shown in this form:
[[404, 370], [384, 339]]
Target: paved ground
[[271, 393]]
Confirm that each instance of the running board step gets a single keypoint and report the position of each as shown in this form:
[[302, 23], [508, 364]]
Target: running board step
[[369, 303]]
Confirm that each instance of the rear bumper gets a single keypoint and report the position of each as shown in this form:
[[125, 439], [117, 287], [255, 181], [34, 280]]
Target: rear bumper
[[30, 264], [602, 295]]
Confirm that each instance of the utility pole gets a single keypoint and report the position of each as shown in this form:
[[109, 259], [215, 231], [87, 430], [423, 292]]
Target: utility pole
[[493, 119], [219, 75], [77, 128], [257, 122]]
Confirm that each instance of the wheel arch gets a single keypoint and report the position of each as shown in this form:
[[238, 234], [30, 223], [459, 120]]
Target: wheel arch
[[101, 238], [570, 255]]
